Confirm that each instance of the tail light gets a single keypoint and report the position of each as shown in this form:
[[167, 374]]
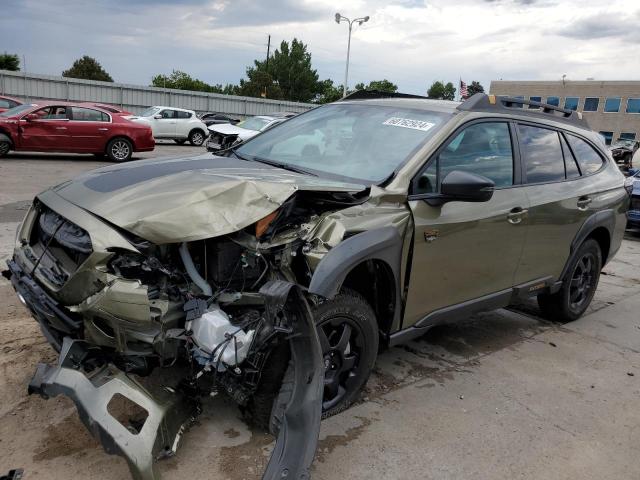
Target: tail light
[[628, 184]]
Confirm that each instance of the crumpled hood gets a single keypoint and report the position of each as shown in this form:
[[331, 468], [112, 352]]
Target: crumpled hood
[[229, 129], [176, 200]]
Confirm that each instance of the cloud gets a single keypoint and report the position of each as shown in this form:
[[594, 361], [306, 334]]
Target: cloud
[[606, 25]]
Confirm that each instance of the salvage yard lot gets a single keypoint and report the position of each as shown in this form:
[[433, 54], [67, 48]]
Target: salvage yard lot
[[502, 396]]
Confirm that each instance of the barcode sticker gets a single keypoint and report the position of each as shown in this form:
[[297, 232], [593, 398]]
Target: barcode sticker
[[409, 123]]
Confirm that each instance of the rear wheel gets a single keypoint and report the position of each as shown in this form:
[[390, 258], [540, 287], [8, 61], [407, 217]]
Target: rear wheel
[[578, 288], [119, 150], [196, 138]]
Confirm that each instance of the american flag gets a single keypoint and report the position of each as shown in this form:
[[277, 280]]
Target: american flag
[[464, 93]]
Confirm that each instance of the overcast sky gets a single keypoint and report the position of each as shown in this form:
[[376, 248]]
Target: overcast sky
[[410, 42]]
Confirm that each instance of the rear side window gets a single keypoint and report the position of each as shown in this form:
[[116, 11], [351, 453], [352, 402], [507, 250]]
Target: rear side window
[[482, 148], [88, 115], [180, 114], [542, 154], [588, 159]]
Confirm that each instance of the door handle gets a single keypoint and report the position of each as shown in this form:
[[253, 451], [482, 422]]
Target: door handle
[[103, 129], [583, 202], [61, 128], [516, 215]]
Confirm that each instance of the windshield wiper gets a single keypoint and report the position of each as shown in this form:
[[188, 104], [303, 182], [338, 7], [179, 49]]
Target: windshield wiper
[[285, 166]]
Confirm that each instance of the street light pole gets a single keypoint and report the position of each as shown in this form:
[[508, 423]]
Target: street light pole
[[360, 21]]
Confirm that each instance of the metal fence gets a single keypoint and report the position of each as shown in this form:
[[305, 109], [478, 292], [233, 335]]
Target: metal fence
[[136, 98]]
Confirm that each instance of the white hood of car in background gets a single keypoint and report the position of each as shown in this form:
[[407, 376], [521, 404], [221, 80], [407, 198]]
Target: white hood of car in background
[[229, 129]]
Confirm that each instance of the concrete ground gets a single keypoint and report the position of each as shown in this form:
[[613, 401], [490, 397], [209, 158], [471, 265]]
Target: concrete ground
[[504, 395]]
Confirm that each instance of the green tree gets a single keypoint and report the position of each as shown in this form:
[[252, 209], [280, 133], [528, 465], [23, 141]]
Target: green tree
[[379, 85], [180, 80], [441, 91], [329, 92], [9, 61], [289, 75], [87, 68], [474, 87]]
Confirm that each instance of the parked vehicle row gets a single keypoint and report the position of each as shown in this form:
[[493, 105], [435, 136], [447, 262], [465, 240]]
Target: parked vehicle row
[[72, 128]]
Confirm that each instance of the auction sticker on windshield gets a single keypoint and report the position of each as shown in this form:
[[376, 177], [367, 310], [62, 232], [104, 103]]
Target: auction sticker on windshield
[[409, 123]]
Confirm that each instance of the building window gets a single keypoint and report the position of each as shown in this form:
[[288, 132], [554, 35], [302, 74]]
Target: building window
[[608, 136], [628, 136], [571, 103], [612, 105], [555, 101], [591, 104], [535, 99], [633, 105]]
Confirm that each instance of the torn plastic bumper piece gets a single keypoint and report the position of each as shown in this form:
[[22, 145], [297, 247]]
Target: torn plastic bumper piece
[[168, 417], [299, 425]]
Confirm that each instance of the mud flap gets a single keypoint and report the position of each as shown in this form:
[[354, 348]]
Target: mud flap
[[170, 414], [159, 436]]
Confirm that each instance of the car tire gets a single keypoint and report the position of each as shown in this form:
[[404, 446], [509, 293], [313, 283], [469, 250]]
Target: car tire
[[578, 287], [180, 141], [197, 137], [348, 363], [119, 149], [5, 147]]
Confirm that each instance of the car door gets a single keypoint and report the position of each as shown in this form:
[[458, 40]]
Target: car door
[[164, 124], [88, 129], [560, 192], [183, 124], [464, 251], [45, 129]]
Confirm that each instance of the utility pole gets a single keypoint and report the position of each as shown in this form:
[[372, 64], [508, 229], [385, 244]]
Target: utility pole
[[266, 68]]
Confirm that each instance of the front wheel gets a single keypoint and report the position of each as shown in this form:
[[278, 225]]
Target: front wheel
[[348, 334], [196, 138], [578, 288], [119, 150], [5, 146]]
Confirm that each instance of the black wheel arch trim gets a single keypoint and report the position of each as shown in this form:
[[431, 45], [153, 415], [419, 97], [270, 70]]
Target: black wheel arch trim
[[603, 218], [384, 244]]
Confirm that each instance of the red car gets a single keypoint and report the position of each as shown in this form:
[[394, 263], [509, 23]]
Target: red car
[[72, 128], [7, 102], [109, 108]]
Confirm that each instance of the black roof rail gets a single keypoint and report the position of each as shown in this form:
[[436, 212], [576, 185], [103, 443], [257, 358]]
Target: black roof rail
[[366, 94], [481, 102]]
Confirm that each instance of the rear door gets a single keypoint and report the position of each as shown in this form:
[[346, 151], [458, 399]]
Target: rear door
[[183, 123], [464, 251], [165, 126], [560, 192], [88, 129], [48, 131]]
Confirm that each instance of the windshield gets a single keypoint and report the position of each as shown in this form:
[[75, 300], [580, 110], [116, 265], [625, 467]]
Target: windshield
[[254, 123], [17, 110], [362, 142], [150, 112]]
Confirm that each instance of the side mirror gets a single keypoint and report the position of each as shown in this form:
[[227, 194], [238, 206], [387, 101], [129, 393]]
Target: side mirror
[[157, 117], [30, 117], [464, 187]]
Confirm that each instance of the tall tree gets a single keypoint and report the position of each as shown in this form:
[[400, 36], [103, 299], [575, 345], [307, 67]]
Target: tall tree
[[289, 69], [183, 81], [87, 68], [474, 87], [9, 61], [441, 91], [379, 85], [329, 92]]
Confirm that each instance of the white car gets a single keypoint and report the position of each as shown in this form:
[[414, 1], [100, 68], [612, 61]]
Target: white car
[[174, 123], [225, 135]]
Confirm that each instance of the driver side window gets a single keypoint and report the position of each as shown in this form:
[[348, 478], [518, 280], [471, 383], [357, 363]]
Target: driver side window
[[482, 148]]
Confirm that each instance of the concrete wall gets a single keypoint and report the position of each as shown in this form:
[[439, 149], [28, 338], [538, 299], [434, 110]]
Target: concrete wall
[[135, 98], [599, 120]]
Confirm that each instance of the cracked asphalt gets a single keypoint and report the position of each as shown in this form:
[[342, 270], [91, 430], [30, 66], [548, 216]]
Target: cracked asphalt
[[504, 395]]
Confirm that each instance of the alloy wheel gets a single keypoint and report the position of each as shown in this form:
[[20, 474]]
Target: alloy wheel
[[120, 150], [582, 281], [197, 138], [342, 344]]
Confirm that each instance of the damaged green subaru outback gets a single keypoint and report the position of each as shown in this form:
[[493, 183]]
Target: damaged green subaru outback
[[275, 272]]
